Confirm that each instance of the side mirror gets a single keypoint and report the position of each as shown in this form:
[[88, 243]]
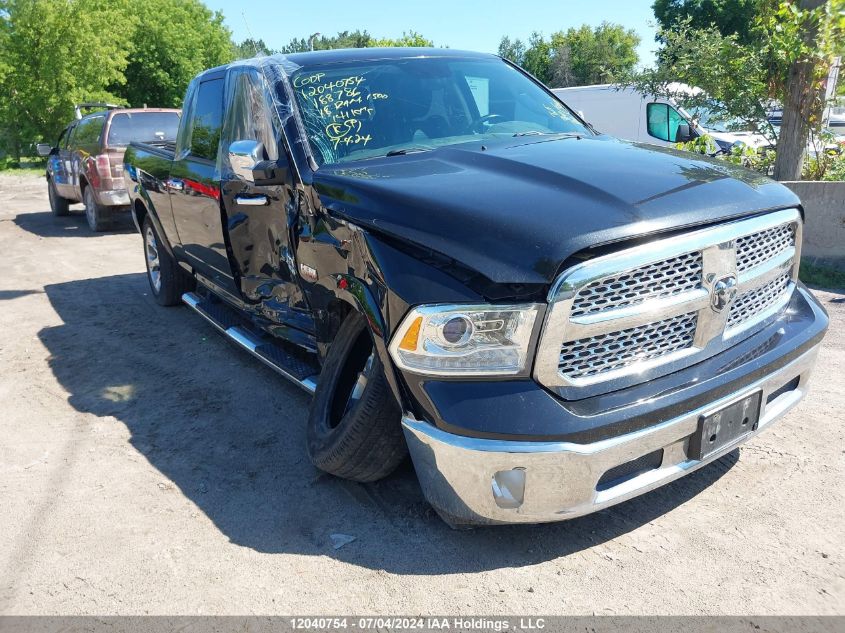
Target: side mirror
[[244, 156], [272, 172], [683, 134], [44, 149]]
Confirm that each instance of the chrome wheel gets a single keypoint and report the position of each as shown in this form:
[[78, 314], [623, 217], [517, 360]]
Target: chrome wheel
[[153, 261]]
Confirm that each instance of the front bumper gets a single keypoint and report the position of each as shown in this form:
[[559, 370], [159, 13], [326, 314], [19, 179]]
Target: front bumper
[[486, 481]]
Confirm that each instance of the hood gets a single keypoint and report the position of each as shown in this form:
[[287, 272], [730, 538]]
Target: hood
[[516, 210], [752, 139]]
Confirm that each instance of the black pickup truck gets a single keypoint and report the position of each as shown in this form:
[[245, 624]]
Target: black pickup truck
[[548, 319]]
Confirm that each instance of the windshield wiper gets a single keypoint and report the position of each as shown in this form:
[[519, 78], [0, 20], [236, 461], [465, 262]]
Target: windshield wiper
[[531, 133], [407, 150]]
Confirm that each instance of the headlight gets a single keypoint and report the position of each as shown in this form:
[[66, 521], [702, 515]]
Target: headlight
[[465, 340]]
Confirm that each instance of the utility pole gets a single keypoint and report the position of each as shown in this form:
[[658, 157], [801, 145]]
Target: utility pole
[[801, 100]]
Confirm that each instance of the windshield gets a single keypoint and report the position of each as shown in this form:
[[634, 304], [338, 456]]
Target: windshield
[[363, 109], [129, 127], [713, 122]]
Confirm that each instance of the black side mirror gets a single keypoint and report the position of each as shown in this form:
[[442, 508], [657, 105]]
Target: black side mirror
[[44, 149], [272, 172], [683, 134]]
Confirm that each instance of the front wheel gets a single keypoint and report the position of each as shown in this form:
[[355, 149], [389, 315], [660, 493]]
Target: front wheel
[[168, 282], [354, 427], [58, 205]]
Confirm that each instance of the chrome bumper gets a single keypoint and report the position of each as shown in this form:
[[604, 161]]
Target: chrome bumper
[[480, 481]]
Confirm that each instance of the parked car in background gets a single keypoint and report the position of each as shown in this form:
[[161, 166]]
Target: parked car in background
[[629, 114], [86, 164], [455, 265]]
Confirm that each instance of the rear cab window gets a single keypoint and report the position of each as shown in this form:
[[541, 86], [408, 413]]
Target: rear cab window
[[206, 120], [128, 127]]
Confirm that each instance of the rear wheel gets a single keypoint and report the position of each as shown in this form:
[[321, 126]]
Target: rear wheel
[[354, 427], [168, 282], [99, 218], [58, 205]]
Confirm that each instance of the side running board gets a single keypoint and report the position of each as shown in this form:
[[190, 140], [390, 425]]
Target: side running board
[[297, 370]]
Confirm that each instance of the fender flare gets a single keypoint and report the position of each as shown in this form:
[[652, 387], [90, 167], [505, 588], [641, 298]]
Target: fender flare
[[354, 291], [149, 211]]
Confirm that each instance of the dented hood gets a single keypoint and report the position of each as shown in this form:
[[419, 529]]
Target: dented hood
[[516, 210]]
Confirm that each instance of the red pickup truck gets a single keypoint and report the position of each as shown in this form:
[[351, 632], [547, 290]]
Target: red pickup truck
[[86, 164]]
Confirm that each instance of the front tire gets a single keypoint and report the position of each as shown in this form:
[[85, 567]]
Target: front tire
[[354, 428], [98, 217], [168, 282], [58, 205]]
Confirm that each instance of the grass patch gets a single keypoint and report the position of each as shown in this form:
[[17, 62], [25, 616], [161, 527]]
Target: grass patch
[[821, 276], [22, 171]]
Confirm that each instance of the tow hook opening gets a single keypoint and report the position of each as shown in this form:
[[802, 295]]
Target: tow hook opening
[[509, 488]]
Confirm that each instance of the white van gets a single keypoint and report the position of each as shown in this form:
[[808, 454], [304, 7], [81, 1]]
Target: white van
[[629, 114]]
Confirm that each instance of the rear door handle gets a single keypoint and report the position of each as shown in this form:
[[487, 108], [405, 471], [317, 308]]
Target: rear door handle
[[252, 201]]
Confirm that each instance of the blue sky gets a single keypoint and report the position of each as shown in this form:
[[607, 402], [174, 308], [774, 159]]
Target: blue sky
[[467, 24]]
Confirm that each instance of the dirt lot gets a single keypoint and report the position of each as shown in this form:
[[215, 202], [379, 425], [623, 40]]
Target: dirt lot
[[148, 466]]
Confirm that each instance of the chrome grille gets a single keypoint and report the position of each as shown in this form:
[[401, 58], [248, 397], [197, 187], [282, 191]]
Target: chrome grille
[[609, 352], [752, 303], [631, 316], [658, 280], [753, 250]]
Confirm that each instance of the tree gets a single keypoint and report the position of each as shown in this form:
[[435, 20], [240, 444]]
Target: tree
[[803, 25], [729, 17], [165, 55], [355, 39], [787, 60], [54, 55], [251, 48], [344, 39], [408, 39], [577, 57]]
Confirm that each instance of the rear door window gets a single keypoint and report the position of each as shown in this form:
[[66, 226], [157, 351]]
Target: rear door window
[[141, 127], [207, 120], [86, 136]]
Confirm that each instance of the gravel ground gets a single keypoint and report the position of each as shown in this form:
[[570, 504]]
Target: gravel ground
[[149, 467]]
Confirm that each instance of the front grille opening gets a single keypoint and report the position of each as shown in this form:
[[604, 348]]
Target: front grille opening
[[752, 250], [654, 281], [607, 352], [756, 301], [792, 385], [629, 470]]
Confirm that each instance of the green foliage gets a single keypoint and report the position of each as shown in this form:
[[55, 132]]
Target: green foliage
[[251, 48], [54, 54], [825, 165], [165, 55], [729, 17], [821, 276], [742, 73], [576, 57], [410, 39], [354, 39]]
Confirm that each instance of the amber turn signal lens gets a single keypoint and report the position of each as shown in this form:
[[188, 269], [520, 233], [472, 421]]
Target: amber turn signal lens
[[409, 341]]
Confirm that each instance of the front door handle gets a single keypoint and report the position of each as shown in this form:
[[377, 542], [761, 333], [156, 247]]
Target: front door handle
[[252, 201]]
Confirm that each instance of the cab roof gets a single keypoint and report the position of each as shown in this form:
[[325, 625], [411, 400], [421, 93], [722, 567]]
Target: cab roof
[[338, 55]]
